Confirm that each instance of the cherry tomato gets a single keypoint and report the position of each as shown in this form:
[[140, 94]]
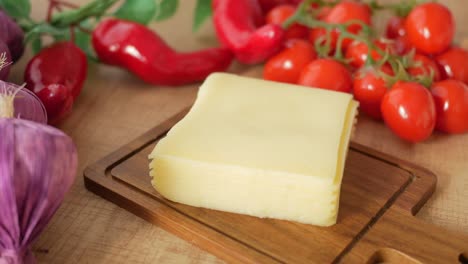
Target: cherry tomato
[[287, 65], [426, 66], [454, 64], [357, 52], [323, 12], [369, 89], [341, 13], [451, 102], [326, 74], [402, 45], [409, 110], [58, 101], [281, 13], [395, 27], [430, 28]]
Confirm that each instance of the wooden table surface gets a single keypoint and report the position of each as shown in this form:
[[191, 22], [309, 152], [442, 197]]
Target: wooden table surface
[[116, 107]]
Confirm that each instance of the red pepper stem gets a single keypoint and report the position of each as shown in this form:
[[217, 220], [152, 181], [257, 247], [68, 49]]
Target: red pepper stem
[[72, 33], [85, 30], [57, 4], [50, 9], [66, 4], [94, 8]]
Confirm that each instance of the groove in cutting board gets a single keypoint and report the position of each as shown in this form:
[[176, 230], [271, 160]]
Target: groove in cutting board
[[374, 219]]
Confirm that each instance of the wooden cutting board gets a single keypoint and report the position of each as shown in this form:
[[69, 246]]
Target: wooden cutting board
[[380, 195]]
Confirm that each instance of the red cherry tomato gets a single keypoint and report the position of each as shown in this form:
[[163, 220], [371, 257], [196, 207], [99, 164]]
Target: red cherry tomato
[[451, 102], [341, 13], [287, 65], [430, 28], [395, 27], [454, 64], [402, 45], [58, 101], [357, 52], [281, 13], [323, 12], [326, 74], [369, 89], [409, 110], [426, 66]]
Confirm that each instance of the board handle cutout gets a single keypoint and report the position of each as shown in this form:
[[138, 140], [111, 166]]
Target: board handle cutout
[[463, 258], [399, 237], [389, 255]]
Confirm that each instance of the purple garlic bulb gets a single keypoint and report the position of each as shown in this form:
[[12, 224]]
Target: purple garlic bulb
[[19, 102], [37, 167]]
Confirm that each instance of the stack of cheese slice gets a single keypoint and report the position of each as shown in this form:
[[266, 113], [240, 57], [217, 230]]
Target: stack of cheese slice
[[260, 148]]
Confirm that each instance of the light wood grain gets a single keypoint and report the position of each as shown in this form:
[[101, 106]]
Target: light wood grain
[[378, 198], [115, 108]]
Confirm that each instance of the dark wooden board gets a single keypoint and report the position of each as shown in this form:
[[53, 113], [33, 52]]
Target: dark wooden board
[[374, 186]]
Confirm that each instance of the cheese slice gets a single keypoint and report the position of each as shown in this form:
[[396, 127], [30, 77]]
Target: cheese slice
[[260, 148]]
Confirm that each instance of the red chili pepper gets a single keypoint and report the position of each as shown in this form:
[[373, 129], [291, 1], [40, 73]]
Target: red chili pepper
[[57, 100], [56, 75], [62, 63], [267, 5], [235, 24], [143, 52], [256, 9]]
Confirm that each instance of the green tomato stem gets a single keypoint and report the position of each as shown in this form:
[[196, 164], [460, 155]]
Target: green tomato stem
[[366, 36]]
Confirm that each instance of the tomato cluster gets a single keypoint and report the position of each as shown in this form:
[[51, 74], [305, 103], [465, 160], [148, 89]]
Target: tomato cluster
[[395, 91]]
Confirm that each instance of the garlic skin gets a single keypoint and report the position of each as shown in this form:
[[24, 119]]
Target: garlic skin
[[38, 165], [19, 102]]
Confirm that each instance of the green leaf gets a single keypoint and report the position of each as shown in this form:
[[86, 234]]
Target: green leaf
[[36, 45], [165, 9], [16, 8], [202, 12], [43, 28], [62, 37], [140, 11], [83, 41]]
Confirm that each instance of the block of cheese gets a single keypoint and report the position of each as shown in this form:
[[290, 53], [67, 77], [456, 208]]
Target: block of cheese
[[259, 148]]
